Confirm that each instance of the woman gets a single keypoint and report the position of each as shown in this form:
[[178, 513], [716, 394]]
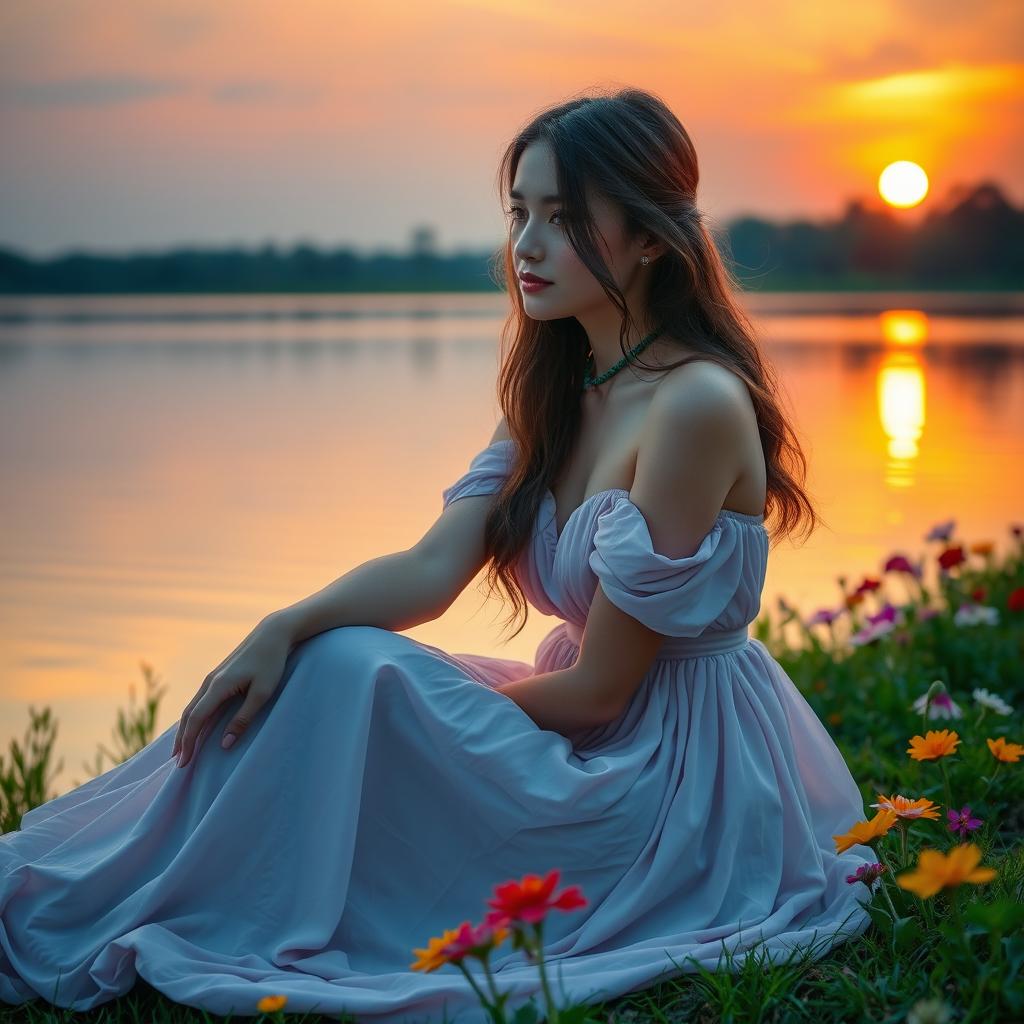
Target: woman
[[378, 788]]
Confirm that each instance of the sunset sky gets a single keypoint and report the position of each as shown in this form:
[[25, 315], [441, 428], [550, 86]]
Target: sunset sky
[[152, 123]]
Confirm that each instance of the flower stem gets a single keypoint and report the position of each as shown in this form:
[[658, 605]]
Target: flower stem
[[497, 1015], [552, 1009], [991, 779], [885, 888], [945, 779]]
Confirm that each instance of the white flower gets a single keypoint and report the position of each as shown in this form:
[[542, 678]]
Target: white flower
[[942, 706], [973, 614], [929, 1011], [992, 701]]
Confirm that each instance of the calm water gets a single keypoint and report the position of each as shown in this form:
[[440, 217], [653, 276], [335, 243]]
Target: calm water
[[176, 467]]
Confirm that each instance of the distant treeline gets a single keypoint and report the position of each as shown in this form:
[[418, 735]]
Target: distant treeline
[[975, 240]]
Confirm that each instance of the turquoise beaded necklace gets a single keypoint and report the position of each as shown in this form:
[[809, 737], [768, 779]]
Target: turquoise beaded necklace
[[592, 382]]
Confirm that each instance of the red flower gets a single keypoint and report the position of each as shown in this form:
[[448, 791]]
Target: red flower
[[979, 594], [867, 585], [1015, 602], [952, 556], [531, 899]]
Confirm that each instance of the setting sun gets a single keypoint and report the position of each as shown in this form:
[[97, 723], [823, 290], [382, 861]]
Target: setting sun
[[903, 183]]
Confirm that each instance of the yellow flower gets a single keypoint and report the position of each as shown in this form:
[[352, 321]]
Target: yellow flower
[[936, 871], [271, 1004], [907, 808], [431, 958], [1003, 751], [933, 745], [866, 831]]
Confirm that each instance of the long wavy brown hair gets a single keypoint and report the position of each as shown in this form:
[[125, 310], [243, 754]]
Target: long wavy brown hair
[[630, 148]]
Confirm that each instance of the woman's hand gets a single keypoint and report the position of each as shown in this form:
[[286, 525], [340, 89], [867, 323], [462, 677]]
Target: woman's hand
[[253, 669]]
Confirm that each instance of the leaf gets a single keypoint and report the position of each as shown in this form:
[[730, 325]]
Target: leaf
[[881, 918], [526, 1014], [906, 933], [574, 1015], [1014, 947], [1000, 916]]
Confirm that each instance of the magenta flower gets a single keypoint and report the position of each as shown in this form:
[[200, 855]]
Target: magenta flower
[[962, 822], [866, 873], [900, 563], [823, 616], [889, 613]]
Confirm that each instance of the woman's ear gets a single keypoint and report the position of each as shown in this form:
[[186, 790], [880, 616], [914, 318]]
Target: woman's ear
[[653, 247]]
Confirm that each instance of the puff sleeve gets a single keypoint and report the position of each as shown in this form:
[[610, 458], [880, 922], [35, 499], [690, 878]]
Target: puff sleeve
[[718, 586], [486, 474]]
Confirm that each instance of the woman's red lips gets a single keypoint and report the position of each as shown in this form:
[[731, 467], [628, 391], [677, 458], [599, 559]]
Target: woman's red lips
[[534, 279]]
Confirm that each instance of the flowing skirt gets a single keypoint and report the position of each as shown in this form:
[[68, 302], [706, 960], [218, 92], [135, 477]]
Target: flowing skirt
[[384, 791]]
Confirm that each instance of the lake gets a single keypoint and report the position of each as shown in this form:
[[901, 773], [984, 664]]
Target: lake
[[175, 467]]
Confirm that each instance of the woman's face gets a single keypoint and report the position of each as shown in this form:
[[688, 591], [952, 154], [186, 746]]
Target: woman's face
[[540, 245]]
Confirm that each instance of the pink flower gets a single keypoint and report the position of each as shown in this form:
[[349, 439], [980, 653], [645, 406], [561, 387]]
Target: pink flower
[[476, 941], [872, 632], [866, 873], [941, 706], [926, 613], [961, 821]]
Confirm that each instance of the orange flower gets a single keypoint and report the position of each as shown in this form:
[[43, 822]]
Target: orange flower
[[983, 547], [907, 808], [835, 717], [531, 899], [1003, 751], [936, 871], [434, 956], [933, 745], [852, 600], [866, 831], [271, 1004]]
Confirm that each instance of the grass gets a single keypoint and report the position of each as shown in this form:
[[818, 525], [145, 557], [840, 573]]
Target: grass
[[949, 627]]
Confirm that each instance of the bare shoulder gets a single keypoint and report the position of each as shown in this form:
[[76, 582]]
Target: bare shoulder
[[703, 391]]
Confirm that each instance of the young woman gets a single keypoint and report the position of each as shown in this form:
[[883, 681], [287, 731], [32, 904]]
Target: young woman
[[379, 788]]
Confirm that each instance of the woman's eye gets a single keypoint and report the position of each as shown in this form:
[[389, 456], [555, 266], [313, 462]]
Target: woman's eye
[[515, 210]]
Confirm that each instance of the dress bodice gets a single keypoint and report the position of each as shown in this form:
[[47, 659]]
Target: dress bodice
[[606, 539]]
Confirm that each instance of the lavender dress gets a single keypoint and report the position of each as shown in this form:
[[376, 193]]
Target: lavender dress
[[388, 786]]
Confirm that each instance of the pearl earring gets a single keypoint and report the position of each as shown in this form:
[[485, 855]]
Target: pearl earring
[[645, 260]]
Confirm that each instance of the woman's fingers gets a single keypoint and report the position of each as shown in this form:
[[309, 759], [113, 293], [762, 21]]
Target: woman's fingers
[[255, 698], [194, 726], [189, 708]]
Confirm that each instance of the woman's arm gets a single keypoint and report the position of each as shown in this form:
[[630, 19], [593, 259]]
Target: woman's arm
[[395, 591]]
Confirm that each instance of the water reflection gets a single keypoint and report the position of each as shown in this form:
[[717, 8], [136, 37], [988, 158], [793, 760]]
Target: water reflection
[[176, 468]]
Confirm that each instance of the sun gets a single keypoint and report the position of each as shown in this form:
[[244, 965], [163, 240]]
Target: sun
[[903, 184]]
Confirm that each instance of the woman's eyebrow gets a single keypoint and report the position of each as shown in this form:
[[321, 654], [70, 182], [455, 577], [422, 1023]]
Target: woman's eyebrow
[[514, 194]]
